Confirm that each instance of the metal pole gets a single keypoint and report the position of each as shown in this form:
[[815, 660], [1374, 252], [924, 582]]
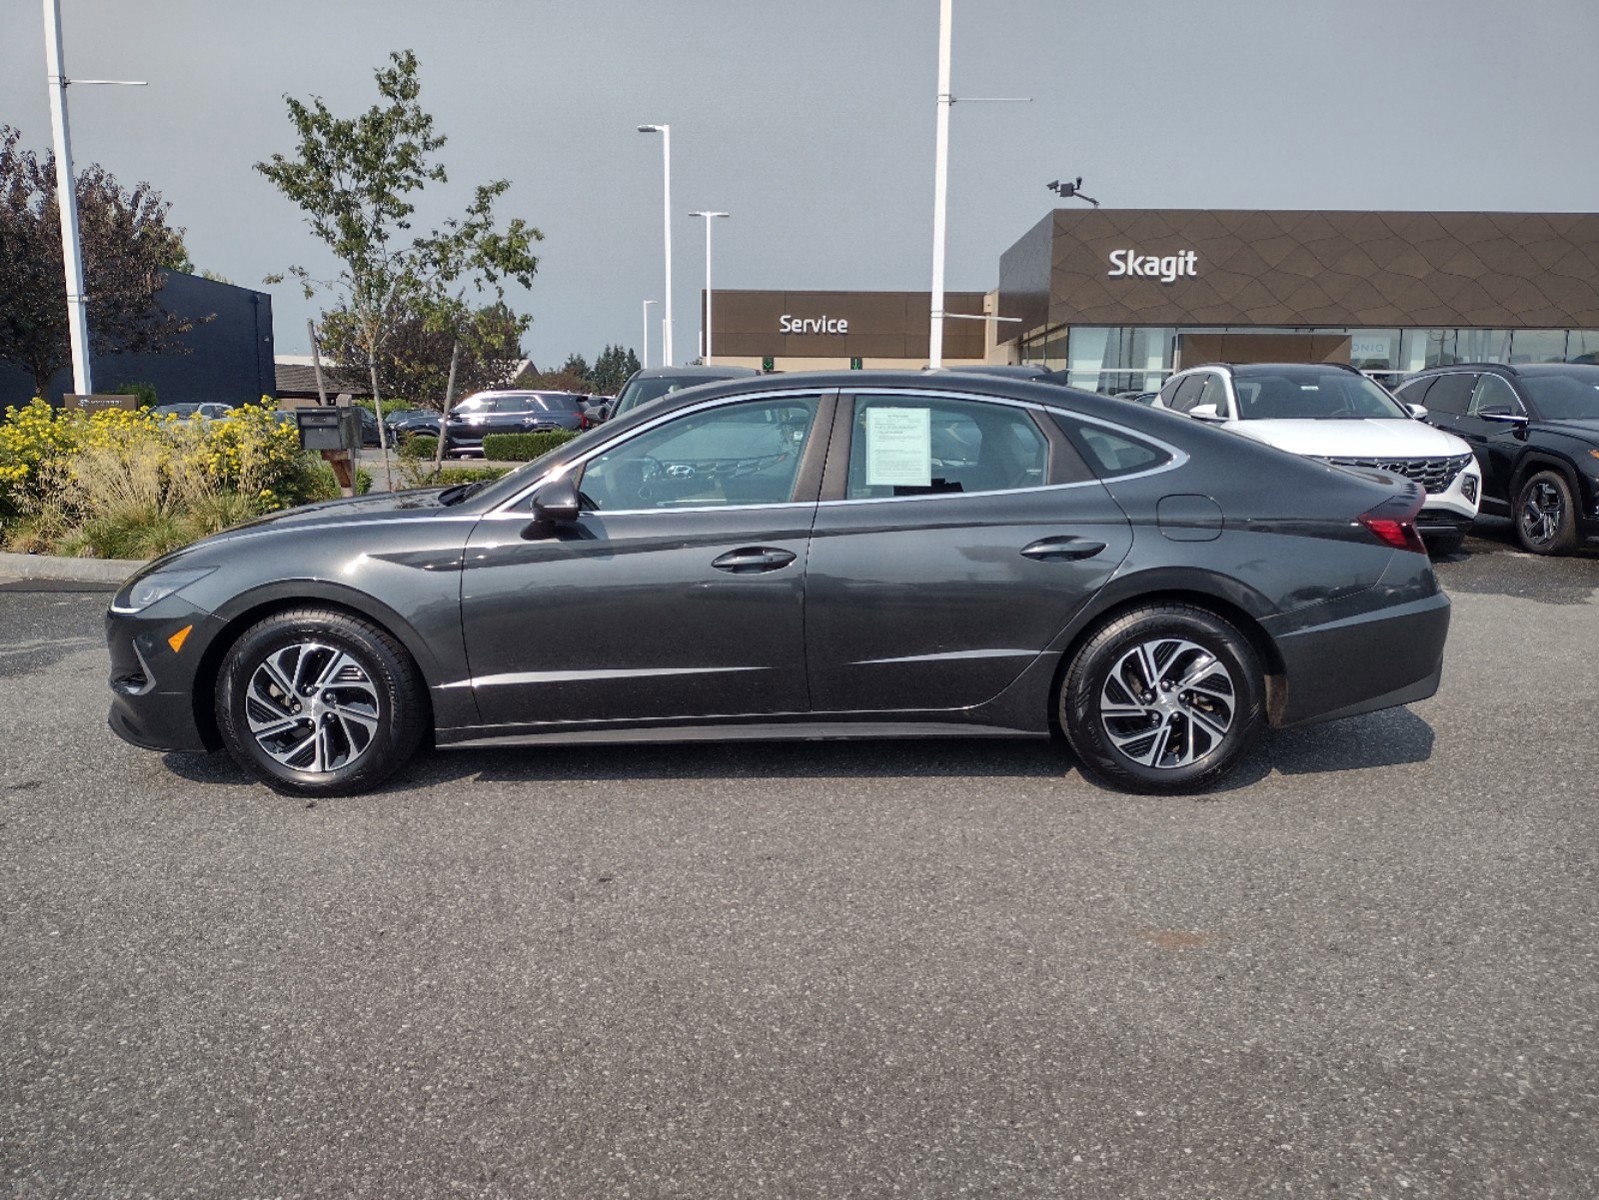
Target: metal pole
[[666, 307], [935, 341], [316, 361], [647, 304], [705, 338], [67, 198]]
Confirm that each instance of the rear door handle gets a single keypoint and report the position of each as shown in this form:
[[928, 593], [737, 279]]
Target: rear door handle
[[1062, 549], [751, 559]]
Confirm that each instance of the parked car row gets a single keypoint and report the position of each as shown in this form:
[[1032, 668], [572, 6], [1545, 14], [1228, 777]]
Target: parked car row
[[1515, 440]]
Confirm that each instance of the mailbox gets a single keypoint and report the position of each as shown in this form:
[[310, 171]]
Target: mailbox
[[329, 428]]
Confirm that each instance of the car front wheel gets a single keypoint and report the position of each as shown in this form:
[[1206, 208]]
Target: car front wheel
[[1165, 698], [317, 702], [1546, 520]]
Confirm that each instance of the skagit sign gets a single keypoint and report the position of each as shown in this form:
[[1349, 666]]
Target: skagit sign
[[1165, 267], [822, 324]]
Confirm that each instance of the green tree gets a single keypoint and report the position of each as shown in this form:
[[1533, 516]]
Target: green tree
[[415, 361], [612, 368], [127, 243], [355, 179], [576, 365]]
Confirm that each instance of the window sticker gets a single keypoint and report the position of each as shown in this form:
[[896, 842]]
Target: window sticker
[[899, 447]]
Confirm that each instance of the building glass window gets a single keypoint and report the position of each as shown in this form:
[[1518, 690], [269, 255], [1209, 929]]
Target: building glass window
[[1423, 348], [1133, 358], [1582, 345], [1482, 345], [1538, 345], [1374, 349]]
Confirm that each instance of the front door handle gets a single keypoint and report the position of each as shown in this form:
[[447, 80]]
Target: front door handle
[[750, 559], [1062, 549]]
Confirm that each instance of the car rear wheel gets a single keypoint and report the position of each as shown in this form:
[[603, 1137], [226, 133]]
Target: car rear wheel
[[316, 702], [1546, 520], [1166, 698]]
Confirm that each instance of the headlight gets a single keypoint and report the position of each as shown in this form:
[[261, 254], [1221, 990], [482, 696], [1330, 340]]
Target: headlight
[[158, 585]]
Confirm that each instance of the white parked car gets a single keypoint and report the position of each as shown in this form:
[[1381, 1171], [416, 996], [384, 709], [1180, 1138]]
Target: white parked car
[[1336, 414]]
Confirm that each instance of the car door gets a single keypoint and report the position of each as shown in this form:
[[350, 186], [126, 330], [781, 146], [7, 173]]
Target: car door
[[678, 591], [1496, 444], [956, 537]]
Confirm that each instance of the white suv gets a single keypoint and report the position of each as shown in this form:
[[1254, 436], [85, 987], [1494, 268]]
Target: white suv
[[1336, 414]]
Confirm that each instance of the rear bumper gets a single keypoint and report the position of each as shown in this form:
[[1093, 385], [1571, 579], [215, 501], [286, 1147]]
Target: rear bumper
[[1362, 662]]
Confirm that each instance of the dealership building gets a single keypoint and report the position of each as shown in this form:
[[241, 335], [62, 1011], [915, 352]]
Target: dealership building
[[1119, 299]]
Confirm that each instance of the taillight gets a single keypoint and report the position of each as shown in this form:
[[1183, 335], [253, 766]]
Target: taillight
[[1394, 520]]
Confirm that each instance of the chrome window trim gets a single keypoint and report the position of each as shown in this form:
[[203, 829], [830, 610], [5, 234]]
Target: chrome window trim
[[718, 402], [1179, 457]]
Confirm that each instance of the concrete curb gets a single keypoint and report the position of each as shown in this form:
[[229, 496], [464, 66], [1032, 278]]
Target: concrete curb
[[76, 570]]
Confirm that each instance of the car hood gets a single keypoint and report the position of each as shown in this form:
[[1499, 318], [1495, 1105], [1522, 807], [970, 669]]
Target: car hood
[[1370, 438], [381, 507], [1586, 428]]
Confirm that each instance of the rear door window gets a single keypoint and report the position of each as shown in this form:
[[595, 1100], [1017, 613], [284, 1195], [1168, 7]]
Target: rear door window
[[1188, 393], [918, 446]]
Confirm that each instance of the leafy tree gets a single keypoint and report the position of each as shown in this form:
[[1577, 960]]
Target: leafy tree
[[576, 365], [415, 361], [354, 179], [553, 381], [126, 244], [612, 368]]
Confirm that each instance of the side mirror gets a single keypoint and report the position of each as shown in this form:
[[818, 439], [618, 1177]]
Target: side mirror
[[556, 503], [1205, 412], [1419, 411]]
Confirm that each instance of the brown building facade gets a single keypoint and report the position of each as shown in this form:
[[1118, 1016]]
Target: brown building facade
[[1121, 298], [811, 330]]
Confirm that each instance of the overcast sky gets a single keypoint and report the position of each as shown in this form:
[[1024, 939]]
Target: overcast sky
[[811, 121]]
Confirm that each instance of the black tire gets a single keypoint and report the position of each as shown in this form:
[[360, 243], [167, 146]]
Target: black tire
[[1188, 715], [1545, 514], [372, 701], [1442, 545]]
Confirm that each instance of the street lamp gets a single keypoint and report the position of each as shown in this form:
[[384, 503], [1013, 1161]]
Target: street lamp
[[67, 193], [647, 304], [705, 351], [935, 342], [666, 172]]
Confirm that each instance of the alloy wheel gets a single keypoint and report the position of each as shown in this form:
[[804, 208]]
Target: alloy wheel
[[1542, 512], [312, 707], [1167, 703]]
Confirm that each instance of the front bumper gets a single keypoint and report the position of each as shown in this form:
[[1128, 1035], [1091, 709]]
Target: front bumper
[[154, 700]]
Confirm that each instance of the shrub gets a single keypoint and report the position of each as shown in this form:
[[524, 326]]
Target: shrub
[[418, 445], [130, 484], [524, 447], [144, 391]]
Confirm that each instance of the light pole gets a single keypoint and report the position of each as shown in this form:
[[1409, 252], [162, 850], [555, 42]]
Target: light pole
[[666, 172], [705, 350], [647, 304], [935, 341], [67, 194]]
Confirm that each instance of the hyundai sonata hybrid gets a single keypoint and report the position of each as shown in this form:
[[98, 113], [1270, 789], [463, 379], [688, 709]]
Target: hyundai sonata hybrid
[[799, 556]]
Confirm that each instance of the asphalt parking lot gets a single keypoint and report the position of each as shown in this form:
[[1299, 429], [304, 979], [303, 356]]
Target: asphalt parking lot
[[1369, 967]]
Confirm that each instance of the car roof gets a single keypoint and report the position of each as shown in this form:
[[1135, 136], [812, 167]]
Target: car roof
[[692, 372], [968, 383]]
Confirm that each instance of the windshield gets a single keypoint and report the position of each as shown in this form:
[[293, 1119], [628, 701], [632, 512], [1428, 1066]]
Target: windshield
[[639, 391], [1563, 397], [1312, 394]]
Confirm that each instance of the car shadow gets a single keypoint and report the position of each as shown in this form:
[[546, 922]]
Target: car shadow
[[1384, 739]]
